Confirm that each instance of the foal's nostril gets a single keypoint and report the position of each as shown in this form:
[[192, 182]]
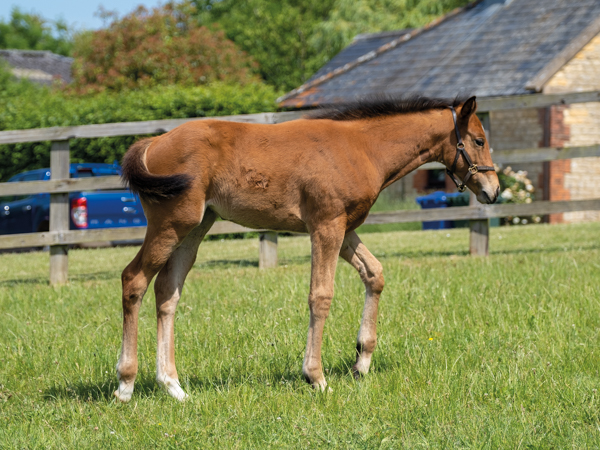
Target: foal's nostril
[[489, 199], [497, 194]]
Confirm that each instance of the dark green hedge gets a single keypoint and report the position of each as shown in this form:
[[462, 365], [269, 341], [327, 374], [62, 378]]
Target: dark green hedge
[[23, 106]]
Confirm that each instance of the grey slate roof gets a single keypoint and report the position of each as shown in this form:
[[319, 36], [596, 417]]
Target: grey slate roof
[[39, 66], [490, 48], [361, 45]]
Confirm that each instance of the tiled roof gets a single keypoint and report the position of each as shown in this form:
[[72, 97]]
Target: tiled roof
[[490, 48], [361, 45], [39, 66]]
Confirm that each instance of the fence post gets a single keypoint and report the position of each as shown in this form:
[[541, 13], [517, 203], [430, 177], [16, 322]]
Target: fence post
[[59, 212], [267, 257], [479, 233]]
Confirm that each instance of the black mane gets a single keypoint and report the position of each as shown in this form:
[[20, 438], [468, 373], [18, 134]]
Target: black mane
[[378, 106]]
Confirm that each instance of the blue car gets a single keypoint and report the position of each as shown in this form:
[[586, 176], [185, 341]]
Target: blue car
[[93, 209]]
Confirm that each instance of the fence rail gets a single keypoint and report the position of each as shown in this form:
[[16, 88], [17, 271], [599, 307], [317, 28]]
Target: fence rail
[[60, 237], [70, 237], [130, 128], [479, 212]]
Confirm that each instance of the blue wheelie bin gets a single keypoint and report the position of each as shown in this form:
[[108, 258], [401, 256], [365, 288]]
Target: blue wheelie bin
[[459, 199], [438, 199]]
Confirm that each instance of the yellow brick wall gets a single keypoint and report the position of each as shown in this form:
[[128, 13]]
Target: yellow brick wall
[[581, 74]]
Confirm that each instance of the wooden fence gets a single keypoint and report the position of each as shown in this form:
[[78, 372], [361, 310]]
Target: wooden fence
[[60, 237]]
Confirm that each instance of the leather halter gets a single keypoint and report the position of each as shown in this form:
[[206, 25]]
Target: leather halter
[[460, 150]]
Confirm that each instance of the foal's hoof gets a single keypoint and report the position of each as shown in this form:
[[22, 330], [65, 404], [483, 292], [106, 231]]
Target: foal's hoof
[[123, 395], [321, 386], [361, 368], [173, 388]]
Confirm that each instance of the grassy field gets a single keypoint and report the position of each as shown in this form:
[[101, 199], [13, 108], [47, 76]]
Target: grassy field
[[473, 353]]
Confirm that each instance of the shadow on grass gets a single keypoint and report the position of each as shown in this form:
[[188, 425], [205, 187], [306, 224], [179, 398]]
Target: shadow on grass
[[92, 276], [227, 378], [514, 251], [17, 281], [145, 387], [222, 263]]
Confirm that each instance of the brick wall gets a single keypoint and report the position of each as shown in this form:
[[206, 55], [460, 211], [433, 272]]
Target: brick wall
[[419, 183], [580, 178]]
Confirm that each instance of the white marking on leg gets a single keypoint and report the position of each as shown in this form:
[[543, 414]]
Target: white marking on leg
[[125, 390], [370, 270]]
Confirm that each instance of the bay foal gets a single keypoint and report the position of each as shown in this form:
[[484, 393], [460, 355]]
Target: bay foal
[[319, 175]]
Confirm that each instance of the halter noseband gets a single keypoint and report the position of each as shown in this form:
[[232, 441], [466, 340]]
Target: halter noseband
[[460, 150]]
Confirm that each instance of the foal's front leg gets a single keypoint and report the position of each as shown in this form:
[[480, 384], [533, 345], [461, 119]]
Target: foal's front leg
[[371, 274], [326, 241]]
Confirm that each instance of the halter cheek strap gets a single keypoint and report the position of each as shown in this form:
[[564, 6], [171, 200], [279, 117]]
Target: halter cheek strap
[[460, 150]]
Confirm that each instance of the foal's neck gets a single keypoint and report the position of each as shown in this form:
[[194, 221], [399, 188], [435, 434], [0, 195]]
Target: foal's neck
[[401, 143]]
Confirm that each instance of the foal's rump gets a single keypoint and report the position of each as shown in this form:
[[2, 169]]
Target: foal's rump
[[150, 186]]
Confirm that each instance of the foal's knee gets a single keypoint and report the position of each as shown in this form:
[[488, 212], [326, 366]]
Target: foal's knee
[[373, 278], [134, 287], [319, 302]]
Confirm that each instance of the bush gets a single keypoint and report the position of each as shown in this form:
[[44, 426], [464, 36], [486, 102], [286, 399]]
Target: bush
[[29, 106], [163, 46], [516, 188]]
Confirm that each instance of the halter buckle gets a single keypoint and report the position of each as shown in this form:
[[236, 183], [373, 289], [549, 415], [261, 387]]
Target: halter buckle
[[473, 169], [460, 146], [461, 188]]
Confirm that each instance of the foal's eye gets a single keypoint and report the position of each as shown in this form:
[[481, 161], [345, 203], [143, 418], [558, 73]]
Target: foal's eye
[[479, 142]]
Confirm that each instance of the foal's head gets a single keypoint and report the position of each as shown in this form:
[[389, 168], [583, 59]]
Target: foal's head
[[467, 153]]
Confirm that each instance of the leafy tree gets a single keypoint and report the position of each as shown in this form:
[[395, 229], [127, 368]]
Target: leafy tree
[[292, 39], [275, 32], [32, 32], [157, 47]]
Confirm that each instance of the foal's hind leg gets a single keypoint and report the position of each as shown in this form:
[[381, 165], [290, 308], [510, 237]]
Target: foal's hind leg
[[162, 237], [167, 288], [371, 273]]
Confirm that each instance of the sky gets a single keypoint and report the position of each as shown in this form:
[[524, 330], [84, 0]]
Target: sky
[[77, 13]]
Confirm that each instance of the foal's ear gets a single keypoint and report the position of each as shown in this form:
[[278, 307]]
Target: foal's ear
[[469, 108]]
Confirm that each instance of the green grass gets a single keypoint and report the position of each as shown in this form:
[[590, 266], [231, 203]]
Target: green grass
[[499, 352]]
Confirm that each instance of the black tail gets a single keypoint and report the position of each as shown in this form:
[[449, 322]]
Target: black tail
[[150, 187]]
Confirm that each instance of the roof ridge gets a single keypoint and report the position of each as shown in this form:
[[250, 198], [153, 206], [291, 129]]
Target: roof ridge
[[364, 36], [27, 52], [375, 53]]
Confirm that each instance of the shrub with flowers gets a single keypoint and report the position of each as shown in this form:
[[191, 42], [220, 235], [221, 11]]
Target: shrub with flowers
[[515, 187]]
